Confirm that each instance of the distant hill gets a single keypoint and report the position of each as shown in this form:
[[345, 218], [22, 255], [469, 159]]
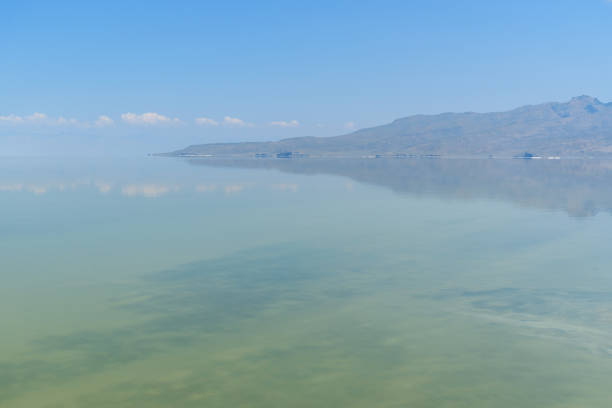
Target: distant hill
[[580, 127]]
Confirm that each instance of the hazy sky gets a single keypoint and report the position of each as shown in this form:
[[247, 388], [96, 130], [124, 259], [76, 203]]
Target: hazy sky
[[138, 77]]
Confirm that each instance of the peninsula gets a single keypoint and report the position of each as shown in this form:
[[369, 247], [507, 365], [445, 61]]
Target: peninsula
[[581, 127]]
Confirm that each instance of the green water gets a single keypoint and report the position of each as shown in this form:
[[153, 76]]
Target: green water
[[168, 283]]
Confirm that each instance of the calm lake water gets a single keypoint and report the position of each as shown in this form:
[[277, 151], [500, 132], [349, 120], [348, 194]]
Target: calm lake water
[[159, 282]]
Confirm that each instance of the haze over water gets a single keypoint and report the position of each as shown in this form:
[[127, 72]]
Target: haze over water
[[303, 283]]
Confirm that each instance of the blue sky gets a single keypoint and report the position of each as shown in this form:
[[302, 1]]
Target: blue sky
[[136, 77]]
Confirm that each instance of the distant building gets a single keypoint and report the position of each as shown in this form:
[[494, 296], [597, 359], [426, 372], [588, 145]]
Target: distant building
[[284, 155], [527, 156], [289, 155]]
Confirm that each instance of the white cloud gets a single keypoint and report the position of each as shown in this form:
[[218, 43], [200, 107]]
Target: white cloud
[[63, 121], [206, 122], [149, 118], [38, 118], [349, 125], [103, 121], [11, 119], [282, 123], [229, 121]]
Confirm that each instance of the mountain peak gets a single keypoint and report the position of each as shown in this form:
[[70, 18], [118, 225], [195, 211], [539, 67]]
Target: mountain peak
[[585, 99]]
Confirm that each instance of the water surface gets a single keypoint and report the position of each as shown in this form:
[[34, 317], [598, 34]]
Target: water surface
[[274, 283]]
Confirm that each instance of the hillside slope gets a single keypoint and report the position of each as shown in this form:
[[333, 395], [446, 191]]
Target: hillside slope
[[582, 126]]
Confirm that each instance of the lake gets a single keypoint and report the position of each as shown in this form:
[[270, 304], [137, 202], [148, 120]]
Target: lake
[[159, 282]]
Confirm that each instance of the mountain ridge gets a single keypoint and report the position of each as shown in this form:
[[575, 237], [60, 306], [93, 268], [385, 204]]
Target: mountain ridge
[[580, 127]]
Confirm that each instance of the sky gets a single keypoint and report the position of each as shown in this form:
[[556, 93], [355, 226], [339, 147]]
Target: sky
[[136, 77]]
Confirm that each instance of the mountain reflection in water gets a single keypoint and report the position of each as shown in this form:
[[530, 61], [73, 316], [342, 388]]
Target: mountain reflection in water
[[579, 187]]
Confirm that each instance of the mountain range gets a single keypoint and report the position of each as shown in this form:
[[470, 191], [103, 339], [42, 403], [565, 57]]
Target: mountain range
[[578, 128]]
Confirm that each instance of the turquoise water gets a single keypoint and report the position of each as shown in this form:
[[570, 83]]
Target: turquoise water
[[305, 283]]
